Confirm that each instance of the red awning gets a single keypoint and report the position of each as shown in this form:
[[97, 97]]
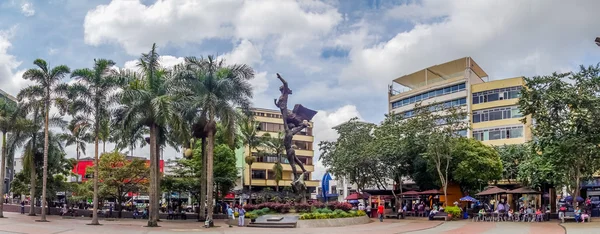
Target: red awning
[[230, 196], [410, 193], [356, 196]]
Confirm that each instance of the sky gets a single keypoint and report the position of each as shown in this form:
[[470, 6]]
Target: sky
[[339, 56]]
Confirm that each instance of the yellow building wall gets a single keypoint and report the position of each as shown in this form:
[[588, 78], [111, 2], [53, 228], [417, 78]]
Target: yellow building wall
[[495, 84]]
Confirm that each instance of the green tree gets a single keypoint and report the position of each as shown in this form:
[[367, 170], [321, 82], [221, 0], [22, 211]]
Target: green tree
[[53, 93], [350, 156], [146, 103], [9, 122], [512, 156], [249, 132], [120, 176], [274, 146], [225, 172], [212, 92], [477, 164], [567, 123], [77, 135], [92, 99]]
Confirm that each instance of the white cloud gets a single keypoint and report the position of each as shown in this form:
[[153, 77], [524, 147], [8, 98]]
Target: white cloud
[[52, 51], [27, 9], [290, 24], [324, 121], [260, 83], [244, 53], [506, 38], [11, 81], [166, 61]]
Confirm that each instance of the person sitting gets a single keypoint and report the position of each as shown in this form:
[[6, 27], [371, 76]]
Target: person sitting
[[136, 213], [63, 211], [170, 214], [510, 214], [145, 213], [538, 215], [577, 214], [481, 214]]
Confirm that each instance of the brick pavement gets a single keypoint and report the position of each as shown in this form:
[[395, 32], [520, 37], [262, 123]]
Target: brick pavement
[[16, 223]]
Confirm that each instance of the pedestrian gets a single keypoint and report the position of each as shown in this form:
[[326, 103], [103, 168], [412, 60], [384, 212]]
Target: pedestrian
[[110, 211], [380, 212], [368, 211], [22, 206], [242, 216], [230, 215]]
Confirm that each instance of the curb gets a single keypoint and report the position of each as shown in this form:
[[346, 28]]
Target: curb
[[563, 227], [423, 229]]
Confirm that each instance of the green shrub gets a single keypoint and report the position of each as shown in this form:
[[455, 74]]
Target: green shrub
[[324, 211], [251, 215], [454, 211], [361, 213]]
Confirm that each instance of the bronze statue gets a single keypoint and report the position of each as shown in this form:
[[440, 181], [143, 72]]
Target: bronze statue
[[293, 122]]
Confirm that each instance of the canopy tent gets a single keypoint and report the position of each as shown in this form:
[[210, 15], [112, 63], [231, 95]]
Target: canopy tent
[[570, 199], [410, 193], [468, 199], [356, 196], [430, 192], [491, 191], [523, 190]]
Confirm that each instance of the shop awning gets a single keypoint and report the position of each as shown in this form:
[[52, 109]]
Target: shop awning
[[410, 193], [491, 191], [431, 192]]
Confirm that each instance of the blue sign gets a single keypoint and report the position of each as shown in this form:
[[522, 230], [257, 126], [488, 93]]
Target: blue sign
[[325, 185]]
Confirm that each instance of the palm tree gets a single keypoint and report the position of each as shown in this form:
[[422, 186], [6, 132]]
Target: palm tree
[[274, 145], [77, 135], [146, 103], [53, 92], [8, 114], [104, 133], [249, 131], [93, 97], [214, 92]]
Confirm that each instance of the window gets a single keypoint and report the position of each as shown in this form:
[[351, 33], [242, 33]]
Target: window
[[496, 114], [497, 94], [258, 174], [428, 95], [498, 133], [438, 107]]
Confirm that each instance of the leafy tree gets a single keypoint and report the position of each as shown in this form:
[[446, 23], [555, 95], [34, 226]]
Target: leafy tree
[[53, 93], [249, 131], [212, 91], [477, 164], [350, 156], [274, 145], [120, 176], [92, 99], [10, 121], [512, 156], [566, 129], [146, 103], [225, 172]]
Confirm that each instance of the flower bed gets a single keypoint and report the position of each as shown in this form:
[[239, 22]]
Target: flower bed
[[326, 213]]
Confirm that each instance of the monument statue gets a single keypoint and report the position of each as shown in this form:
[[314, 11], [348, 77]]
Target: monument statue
[[293, 122]]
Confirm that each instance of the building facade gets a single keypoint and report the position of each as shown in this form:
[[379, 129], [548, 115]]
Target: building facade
[[271, 121], [491, 106], [10, 168]]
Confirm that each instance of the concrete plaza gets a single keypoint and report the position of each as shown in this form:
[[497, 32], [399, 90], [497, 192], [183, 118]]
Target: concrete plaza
[[17, 223]]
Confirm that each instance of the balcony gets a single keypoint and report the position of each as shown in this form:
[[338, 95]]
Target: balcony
[[286, 167], [265, 182]]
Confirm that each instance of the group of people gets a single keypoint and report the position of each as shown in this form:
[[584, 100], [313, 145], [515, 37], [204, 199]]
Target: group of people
[[239, 209]]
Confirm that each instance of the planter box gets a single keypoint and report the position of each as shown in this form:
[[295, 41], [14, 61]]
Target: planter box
[[339, 222]]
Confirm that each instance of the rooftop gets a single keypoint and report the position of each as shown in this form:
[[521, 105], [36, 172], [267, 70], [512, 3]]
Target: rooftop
[[4, 94], [440, 72]]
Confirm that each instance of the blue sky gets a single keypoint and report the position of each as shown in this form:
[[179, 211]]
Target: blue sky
[[339, 56]]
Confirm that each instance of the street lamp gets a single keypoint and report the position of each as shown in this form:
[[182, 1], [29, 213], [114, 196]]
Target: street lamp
[[598, 41]]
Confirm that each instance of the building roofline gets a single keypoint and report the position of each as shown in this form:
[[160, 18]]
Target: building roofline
[[11, 97]]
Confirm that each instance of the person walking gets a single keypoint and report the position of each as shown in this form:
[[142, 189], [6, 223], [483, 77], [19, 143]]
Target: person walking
[[380, 212], [22, 206], [368, 211], [230, 215], [242, 216]]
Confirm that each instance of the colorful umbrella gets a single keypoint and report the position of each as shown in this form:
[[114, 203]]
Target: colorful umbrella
[[468, 199]]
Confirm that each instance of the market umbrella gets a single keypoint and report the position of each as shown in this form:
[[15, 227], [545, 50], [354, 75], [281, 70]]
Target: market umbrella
[[430, 192], [468, 199], [491, 191], [523, 190], [410, 193], [570, 199]]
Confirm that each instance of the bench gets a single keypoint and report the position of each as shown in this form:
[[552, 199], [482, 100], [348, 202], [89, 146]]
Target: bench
[[440, 215], [571, 216], [399, 215]]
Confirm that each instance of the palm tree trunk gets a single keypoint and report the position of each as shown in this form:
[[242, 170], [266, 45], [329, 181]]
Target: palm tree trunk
[[103, 146], [76, 166], [32, 180], [2, 173], [153, 214], [250, 182], [95, 211], [158, 178], [45, 168], [202, 201], [209, 168]]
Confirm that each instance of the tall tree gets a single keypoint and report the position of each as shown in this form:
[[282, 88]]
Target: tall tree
[[146, 103], [274, 146], [567, 122], [249, 132], [48, 81], [92, 98], [214, 90], [77, 134], [8, 115]]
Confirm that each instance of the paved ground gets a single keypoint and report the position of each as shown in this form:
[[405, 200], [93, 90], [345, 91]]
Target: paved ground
[[16, 223]]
